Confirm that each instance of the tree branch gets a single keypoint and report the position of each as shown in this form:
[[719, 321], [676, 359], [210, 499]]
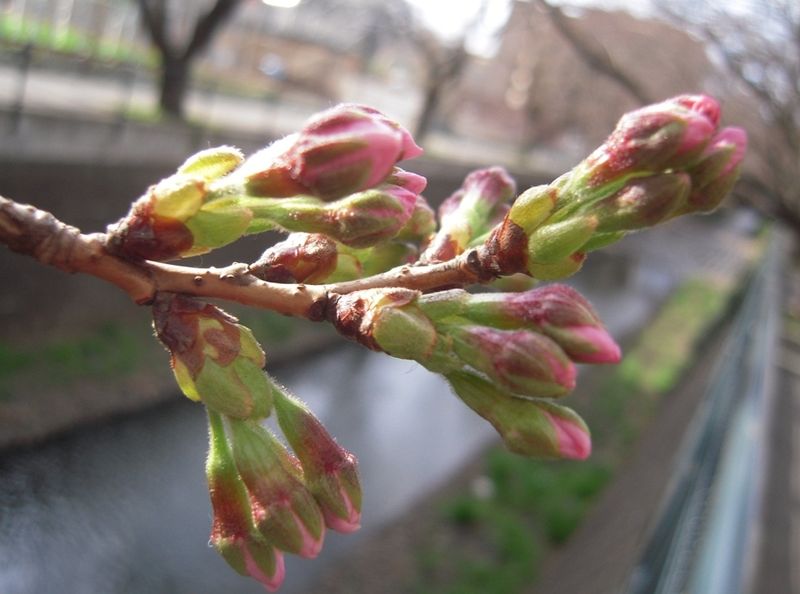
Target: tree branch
[[36, 233], [594, 56], [208, 23], [154, 17]]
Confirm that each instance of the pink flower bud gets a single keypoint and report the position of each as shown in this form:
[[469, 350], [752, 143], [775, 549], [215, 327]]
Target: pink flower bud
[[420, 226], [232, 532], [572, 435], [283, 508], [370, 217], [359, 220], [556, 310], [468, 212], [330, 471], [300, 258], [534, 428], [642, 202], [722, 155], [406, 179], [717, 171], [345, 149], [665, 135], [524, 362]]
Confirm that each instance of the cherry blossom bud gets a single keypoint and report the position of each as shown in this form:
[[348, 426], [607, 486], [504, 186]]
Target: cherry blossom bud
[[331, 472], [642, 202], [232, 532], [420, 226], [533, 206], [176, 218], [556, 310], [528, 427], [358, 220], [283, 508], [557, 270], [717, 171], [300, 258], [353, 263], [346, 149], [554, 242], [215, 360], [665, 135], [413, 182], [523, 362], [467, 213]]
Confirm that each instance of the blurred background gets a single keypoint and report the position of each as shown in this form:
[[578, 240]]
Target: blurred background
[[691, 487]]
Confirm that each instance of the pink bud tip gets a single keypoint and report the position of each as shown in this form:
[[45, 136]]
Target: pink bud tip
[[605, 349], [311, 546], [573, 441], [563, 372], [735, 137], [406, 179], [702, 104], [271, 583], [344, 525]]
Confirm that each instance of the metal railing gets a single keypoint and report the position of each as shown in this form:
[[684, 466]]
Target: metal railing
[[704, 537]]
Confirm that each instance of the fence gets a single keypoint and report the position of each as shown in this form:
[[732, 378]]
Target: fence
[[704, 538]]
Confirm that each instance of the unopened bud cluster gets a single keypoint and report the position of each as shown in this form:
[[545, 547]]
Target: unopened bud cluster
[[267, 500], [517, 348], [337, 176], [661, 161]]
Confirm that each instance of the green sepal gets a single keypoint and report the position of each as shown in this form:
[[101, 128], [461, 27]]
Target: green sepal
[[552, 243]]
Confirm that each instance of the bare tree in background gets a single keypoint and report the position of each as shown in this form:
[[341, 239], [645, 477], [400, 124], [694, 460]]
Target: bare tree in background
[[759, 48], [175, 58], [593, 53], [444, 63]]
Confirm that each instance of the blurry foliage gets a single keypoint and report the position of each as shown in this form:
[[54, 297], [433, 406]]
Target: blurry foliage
[[67, 40], [110, 350]]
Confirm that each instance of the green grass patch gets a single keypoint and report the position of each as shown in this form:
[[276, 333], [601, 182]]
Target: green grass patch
[[109, 350], [71, 41]]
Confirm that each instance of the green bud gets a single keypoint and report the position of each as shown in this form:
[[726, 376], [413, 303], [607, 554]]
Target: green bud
[[553, 243], [421, 225], [283, 508], [404, 332], [212, 163], [232, 532], [642, 202], [535, 428], [215, 360], [533, 207], [557, 270], [353, 263], [444, 306], [330, 471], [601, 240], [178, 197], [523, 362]]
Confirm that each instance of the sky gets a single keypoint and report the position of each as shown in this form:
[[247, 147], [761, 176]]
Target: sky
[[448, 19]]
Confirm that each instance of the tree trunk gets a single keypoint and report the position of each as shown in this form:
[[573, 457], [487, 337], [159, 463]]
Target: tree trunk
[[174, 85]]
